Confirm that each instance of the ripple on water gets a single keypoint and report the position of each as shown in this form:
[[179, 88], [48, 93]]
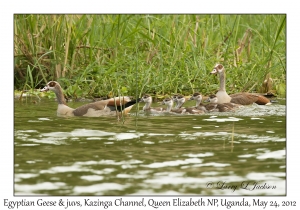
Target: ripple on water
[[257, 138], [92, 177], [194, 182], [229, 119], [86, 132], [246, 156], [154, 192], [127, 136], [280, 154], [265, 176], [131, 176], [29, 145], [211, 164], [99, 189], [19, 177], [148, 142], [43, 119], [207, 154], [259, 110], [26, 131], [63, 169], [25, 188], [173, 163]]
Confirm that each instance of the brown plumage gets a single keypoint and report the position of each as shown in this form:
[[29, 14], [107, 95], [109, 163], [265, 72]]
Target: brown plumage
[[113, 106], [248, 98], [237, 98]]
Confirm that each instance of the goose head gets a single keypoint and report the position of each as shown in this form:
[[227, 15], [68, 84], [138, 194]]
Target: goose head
[[174, 98], [196, 97], [213, 98], [146, 98], [52, 85], [168, 102], [180, 100], [218, 69]]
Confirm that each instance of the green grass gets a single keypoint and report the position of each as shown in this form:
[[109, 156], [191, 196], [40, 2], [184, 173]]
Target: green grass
[[99, 55]]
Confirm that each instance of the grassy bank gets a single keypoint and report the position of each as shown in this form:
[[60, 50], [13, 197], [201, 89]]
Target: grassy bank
[[99, 55]]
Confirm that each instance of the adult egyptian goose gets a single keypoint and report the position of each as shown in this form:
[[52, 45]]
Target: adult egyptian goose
[[211, 107], [237, 98], [180, 110], [147, 99], [113, 106]]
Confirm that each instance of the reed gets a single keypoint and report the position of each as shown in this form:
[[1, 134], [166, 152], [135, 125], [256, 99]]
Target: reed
[[100, 55]]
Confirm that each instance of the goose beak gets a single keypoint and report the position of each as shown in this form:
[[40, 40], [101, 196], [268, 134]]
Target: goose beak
[[45, 89], [191, 98]]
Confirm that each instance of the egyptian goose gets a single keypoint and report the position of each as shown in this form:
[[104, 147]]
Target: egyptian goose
[[237, 98], [211, 107], [112, 106], [178, 100], [147, 99], [169, 102], [174, 98], [180, 110]]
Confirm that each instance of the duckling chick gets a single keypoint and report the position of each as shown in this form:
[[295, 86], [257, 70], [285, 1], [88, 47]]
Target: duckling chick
[[211, 107], [181, 110], [147, 99], [214, 99], [169, 102], [198, 98], [174, 98], [180, 101]]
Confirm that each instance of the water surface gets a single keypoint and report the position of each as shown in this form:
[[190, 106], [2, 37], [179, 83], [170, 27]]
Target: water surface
[[241, 153]]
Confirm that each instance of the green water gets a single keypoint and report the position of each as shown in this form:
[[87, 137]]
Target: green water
[[241, 153]]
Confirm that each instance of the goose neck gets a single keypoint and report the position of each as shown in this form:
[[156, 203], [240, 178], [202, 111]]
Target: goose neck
[[59, 95], [198, 102], [222, 81], [169, 107], [147, 106], [178, 105]]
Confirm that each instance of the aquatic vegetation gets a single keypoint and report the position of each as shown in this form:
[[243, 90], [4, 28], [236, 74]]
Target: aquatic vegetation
[[100, 55]]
